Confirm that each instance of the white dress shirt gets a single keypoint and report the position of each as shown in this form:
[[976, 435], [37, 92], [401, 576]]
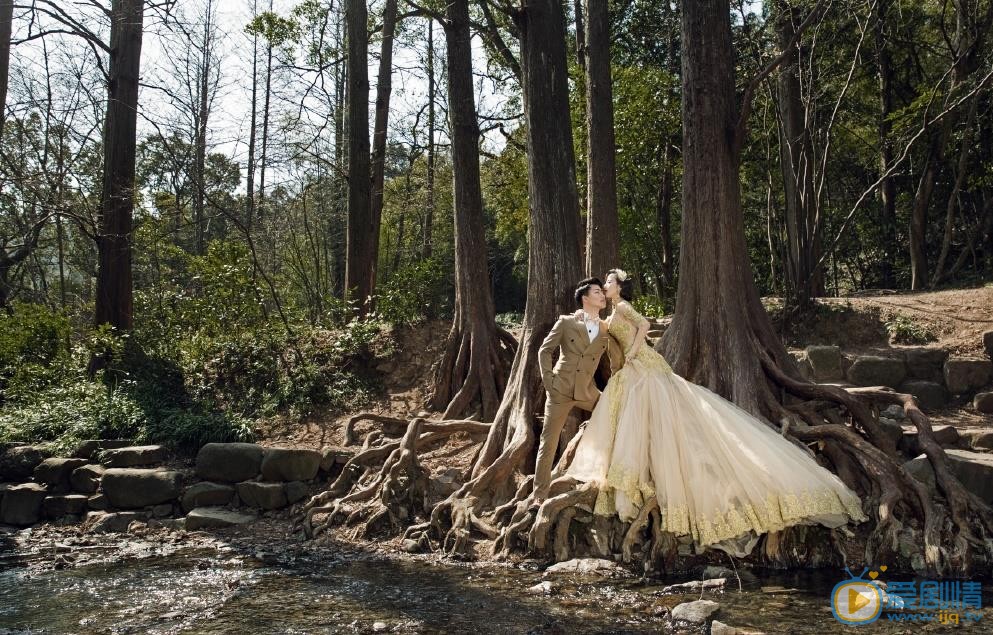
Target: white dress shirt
[[592, 325]]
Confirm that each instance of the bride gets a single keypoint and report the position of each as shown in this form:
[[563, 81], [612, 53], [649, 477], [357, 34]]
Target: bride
[[720, 475]]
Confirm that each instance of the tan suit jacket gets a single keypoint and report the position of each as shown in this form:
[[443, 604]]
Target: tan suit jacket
[[571, 377]]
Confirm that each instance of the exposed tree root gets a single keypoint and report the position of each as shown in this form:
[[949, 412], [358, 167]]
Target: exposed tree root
[[474, 368], [384, 489], [383, 482]]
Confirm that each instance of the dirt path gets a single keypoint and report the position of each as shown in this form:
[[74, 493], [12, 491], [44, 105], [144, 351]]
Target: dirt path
[[958, 317]]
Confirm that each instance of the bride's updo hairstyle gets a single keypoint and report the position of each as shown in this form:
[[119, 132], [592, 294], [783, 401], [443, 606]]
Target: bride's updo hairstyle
[[624, 282]]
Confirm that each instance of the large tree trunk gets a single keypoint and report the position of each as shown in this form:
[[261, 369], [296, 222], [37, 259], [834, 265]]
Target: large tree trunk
[[384, 87], [114, 276], [553, 241], [720, 324], [473, 372], [359, 255], [602, 237], [803, 279]]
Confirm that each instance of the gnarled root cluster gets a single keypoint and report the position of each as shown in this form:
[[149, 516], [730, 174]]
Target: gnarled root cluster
[[383, 488]]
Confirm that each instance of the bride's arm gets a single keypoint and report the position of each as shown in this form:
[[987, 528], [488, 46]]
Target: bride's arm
[[639, 322]]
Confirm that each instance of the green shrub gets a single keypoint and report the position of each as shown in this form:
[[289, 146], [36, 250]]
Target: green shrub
[[904, 330], [651, 306], [414, 293]]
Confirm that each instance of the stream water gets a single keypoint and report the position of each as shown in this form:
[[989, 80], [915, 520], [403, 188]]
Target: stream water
[[313, 589]]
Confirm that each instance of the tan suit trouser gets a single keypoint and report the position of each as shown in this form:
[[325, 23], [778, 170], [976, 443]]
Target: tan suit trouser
[[556, 413]]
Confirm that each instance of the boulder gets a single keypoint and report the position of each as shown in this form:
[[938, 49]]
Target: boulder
[[586, 566], [825, 361], [871, 370], [290, 464], [98, 502], [891, 429], [134, 455], [215, 518], [21, 504], [920, 468], [696, 612], [946, 436], [86, 479], [988, 343], [333, 459], [893, 411], [983, 402], [930, 395], [296, 491], [55, 507], [965, 374], [976, 438], [229, 462], [925, 363], [130, 488], [975, 470], [162, 511], [207, 494], [18, 463], [262, 495], [103, 522], [55, 473], [87, 449]]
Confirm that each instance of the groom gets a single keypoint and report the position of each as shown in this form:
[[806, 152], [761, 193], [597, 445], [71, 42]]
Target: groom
[[581, 339]]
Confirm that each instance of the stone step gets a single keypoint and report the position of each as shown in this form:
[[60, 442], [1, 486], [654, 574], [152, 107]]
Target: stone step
[[976, 438], [21, 504], [55, 473], [134, 456], [974, 469], [132, 488], [229, 462], [215, 518], [89, 448]]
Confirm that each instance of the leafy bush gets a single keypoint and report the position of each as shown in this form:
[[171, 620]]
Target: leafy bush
[[904, 330], [263, 373], [651, 306], [414, 293]]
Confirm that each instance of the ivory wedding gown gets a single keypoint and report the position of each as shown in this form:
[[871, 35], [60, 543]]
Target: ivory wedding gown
[[720, 475]]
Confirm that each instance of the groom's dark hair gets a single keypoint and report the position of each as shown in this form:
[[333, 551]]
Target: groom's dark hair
[[583, 287]]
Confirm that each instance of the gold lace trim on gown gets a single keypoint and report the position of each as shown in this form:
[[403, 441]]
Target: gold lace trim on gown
[[776, 513]]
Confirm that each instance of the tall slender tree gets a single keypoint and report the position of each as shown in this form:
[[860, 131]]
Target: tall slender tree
[[602, 232], [384, 88], [359, 284], [473, 372], [114, 293]]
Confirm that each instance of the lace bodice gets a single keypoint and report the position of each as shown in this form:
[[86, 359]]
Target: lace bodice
[[623, 324]]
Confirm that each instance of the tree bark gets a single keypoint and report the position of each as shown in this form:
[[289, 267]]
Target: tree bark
[[384, 87], [602, 233], [475, 364], [359, 255], [114, 303], [720, 326]]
